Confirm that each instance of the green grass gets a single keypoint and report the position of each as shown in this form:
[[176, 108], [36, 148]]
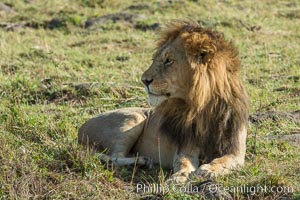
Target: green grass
[[53, 80]]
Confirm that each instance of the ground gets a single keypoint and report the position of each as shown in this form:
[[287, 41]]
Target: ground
[[63, 62]]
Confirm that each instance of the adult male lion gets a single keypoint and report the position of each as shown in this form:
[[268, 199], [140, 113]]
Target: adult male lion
[[200, 109]]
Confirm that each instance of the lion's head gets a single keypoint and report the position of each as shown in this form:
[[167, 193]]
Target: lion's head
[[195, 72], [191, 63]]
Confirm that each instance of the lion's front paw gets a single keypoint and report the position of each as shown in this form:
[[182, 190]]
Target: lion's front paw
[[206, 170], [177, 178], [211, 170]]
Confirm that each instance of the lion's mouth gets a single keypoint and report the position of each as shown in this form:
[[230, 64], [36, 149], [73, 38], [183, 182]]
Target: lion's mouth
[[154, 94], [158, 95]]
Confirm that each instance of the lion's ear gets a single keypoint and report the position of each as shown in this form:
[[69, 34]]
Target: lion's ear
[[206, 56], [200, 47]]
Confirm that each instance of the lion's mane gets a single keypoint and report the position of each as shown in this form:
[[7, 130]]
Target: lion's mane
[[216, 106]]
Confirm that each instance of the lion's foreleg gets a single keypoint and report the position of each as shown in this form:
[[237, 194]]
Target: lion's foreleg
[[226, 163], [185, 161], [220, 166]]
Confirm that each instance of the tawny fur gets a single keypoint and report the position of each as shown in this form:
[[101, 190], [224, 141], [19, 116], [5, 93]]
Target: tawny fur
[[201, 108]]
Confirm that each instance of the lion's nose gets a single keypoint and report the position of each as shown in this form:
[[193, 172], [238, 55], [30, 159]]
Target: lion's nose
[[147, 81]]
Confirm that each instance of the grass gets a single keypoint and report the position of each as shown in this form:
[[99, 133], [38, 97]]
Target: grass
[[56, 75]]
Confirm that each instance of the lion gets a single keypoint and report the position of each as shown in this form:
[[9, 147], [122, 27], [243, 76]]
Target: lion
[[197, 124]]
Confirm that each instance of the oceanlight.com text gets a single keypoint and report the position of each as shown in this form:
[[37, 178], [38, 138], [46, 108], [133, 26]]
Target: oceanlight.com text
[[213, 188]]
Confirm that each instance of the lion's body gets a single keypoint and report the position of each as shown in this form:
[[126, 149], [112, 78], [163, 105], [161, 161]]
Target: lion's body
[[201, 108]]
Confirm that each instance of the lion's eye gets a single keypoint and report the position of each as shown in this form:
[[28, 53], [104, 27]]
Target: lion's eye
[[168, 62]]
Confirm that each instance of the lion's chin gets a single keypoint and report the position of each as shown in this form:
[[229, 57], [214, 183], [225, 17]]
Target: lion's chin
[[155, 100]]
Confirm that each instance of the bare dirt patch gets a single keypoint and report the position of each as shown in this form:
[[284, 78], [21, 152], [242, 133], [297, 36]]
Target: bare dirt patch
[[293, 139], [294, 91], [275, 115], [141, 6], [115, 17]]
